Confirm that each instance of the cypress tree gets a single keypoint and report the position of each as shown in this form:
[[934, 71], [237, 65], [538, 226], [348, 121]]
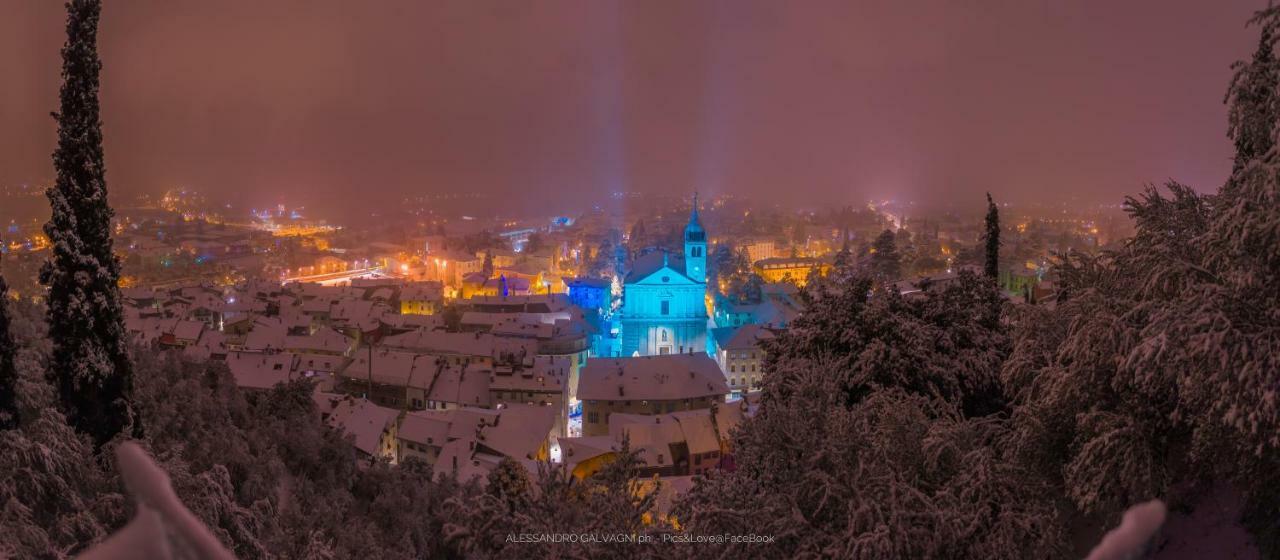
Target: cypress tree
[[90, 362], [8, 372], [992, 238], [1251, 97]]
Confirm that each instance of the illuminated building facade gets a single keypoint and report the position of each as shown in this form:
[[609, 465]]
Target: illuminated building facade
[[793, 269], [664, 308]]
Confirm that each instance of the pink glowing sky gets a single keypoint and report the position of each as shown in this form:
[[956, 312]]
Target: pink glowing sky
[[357, 103]]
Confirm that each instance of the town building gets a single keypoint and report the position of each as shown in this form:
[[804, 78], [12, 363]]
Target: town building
[[740, 354], [415, 381], [546, 383], [679, 444], [470, 442], [421, 298], [795, 270], [593, 294], [647, 385], [372, 427]]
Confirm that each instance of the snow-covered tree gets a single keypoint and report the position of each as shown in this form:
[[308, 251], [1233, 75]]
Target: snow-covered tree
[[991, 239], [1155, 374], [945, 341], [882, 434], [602, 262], [487, 266], [54, 497], [1251, 97], [9, 417], [638, 237], [86, 323], [893, 476], [610, 502], [886, 264], [535, 243], [509, 483]]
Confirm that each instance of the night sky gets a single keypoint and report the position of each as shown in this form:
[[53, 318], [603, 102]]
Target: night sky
[[343, 104]]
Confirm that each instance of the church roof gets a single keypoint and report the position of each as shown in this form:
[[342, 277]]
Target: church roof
[[646, 265]]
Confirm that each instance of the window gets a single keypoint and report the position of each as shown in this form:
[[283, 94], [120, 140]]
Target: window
[[593, 417], [666, 308]]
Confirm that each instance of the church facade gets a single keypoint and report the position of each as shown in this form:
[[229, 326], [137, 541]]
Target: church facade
[[663, 300]]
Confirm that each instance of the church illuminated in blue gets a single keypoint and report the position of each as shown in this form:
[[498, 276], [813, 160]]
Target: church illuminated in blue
[[664, 298]]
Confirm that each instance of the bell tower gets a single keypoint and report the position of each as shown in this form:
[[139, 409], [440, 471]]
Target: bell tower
[[695, 246]]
